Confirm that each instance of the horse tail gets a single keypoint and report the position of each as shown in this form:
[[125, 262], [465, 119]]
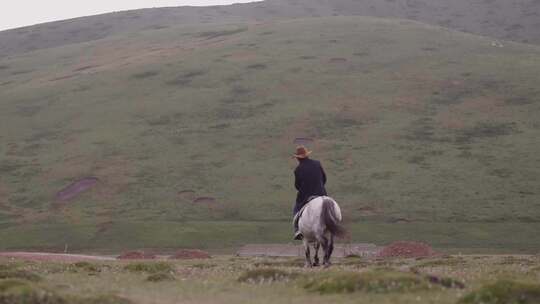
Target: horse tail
[[330, 219]]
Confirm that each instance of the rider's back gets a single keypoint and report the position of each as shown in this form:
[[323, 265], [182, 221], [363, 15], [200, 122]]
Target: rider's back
[[309, 180]]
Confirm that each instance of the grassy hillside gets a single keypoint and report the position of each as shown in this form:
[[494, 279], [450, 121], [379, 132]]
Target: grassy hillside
[[501, 19], [189, 132]]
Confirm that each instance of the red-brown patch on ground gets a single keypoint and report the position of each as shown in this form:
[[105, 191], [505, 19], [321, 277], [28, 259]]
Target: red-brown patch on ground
[[205, 200], [406, 249], [450, 120], [185, 254], [338, 60], [484, 106], [243, 56], [186, 194], [136, 255], [85, 68], [359, 108], [64, 77], [369, 210], [103, 227], [408, 104], [114, 175], [12, 149], [4, 193], [76, 188], [399, 220]]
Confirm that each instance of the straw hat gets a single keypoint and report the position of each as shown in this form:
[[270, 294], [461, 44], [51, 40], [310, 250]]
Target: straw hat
[[301, 152]]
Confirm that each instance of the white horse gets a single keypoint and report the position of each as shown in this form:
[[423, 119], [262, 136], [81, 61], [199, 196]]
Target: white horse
[[319, 222]]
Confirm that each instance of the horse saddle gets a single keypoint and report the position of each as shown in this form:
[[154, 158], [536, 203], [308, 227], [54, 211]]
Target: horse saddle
[[299, 213]]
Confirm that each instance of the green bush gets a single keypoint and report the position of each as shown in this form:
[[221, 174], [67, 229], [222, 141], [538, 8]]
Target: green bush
[[105, 299], [203, 266], [371, 282], [84, 266], [451, 261], [19, 274], [23, 292], [266, 275], [504, 292], [150, 267], [160, 277], [8, 266]]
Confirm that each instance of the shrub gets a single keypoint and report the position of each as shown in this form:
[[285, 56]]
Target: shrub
[[371, 282], [150, 267], [7, 266], [203, 266], [443, 262], [84, 266], [144, 75], [215, 34], [23, 292], [160, 277], [446, 282], [19, 274], [266, 275], [504, 292], [105, 299]]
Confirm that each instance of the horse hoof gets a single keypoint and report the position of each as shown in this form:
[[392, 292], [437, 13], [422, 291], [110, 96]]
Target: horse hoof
[[327, 265], [308, 266], [316, 265]]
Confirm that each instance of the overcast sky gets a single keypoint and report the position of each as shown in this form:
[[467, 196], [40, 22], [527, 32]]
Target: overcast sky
[[17, 13]]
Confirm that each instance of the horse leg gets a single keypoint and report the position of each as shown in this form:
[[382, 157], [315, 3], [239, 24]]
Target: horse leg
[[328, 252], [308, 254], [325, 245], [316, 246]]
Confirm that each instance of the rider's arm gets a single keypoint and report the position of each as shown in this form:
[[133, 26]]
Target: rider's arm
[[296, 181]]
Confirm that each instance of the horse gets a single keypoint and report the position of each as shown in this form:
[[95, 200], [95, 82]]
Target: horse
[[319, 223]]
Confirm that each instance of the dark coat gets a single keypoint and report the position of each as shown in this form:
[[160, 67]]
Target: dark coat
[[309, 180]]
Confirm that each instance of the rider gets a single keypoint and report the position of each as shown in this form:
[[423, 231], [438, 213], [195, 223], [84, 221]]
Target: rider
[[309, 180]]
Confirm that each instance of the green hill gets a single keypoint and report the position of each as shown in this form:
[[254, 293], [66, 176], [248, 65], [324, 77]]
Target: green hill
[[425, 133], [509, 20]]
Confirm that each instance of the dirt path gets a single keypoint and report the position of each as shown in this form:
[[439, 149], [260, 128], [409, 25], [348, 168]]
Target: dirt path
[[296, 250], [43, 256]]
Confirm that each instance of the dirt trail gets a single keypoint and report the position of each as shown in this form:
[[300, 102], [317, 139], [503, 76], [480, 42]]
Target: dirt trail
[[43, 256]]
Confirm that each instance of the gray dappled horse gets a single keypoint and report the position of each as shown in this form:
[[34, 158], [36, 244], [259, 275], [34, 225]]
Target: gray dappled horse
[[319, 223]]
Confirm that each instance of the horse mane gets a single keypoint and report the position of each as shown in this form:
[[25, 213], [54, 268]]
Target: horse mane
[[329, 218]]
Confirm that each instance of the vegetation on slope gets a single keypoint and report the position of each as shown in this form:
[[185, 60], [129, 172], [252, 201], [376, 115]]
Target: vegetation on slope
[[182, 136]]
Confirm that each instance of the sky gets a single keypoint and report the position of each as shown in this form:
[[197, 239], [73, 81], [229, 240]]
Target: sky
[[18, 13]]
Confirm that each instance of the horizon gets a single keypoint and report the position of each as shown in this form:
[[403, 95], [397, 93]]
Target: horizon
[[16, 14]]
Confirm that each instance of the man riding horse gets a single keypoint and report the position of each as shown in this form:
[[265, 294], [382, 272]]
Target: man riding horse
[[309, 180]]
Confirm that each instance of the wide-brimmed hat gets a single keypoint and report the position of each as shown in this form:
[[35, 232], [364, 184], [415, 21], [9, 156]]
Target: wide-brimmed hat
[[301, 152]]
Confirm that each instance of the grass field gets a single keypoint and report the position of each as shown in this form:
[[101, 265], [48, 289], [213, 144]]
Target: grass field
[[189, 131], [228, 236], [500, 19], [224, 279]]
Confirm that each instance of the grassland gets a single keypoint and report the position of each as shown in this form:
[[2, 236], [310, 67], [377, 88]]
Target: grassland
[[426, 133], [226, 279], [500, 19]]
